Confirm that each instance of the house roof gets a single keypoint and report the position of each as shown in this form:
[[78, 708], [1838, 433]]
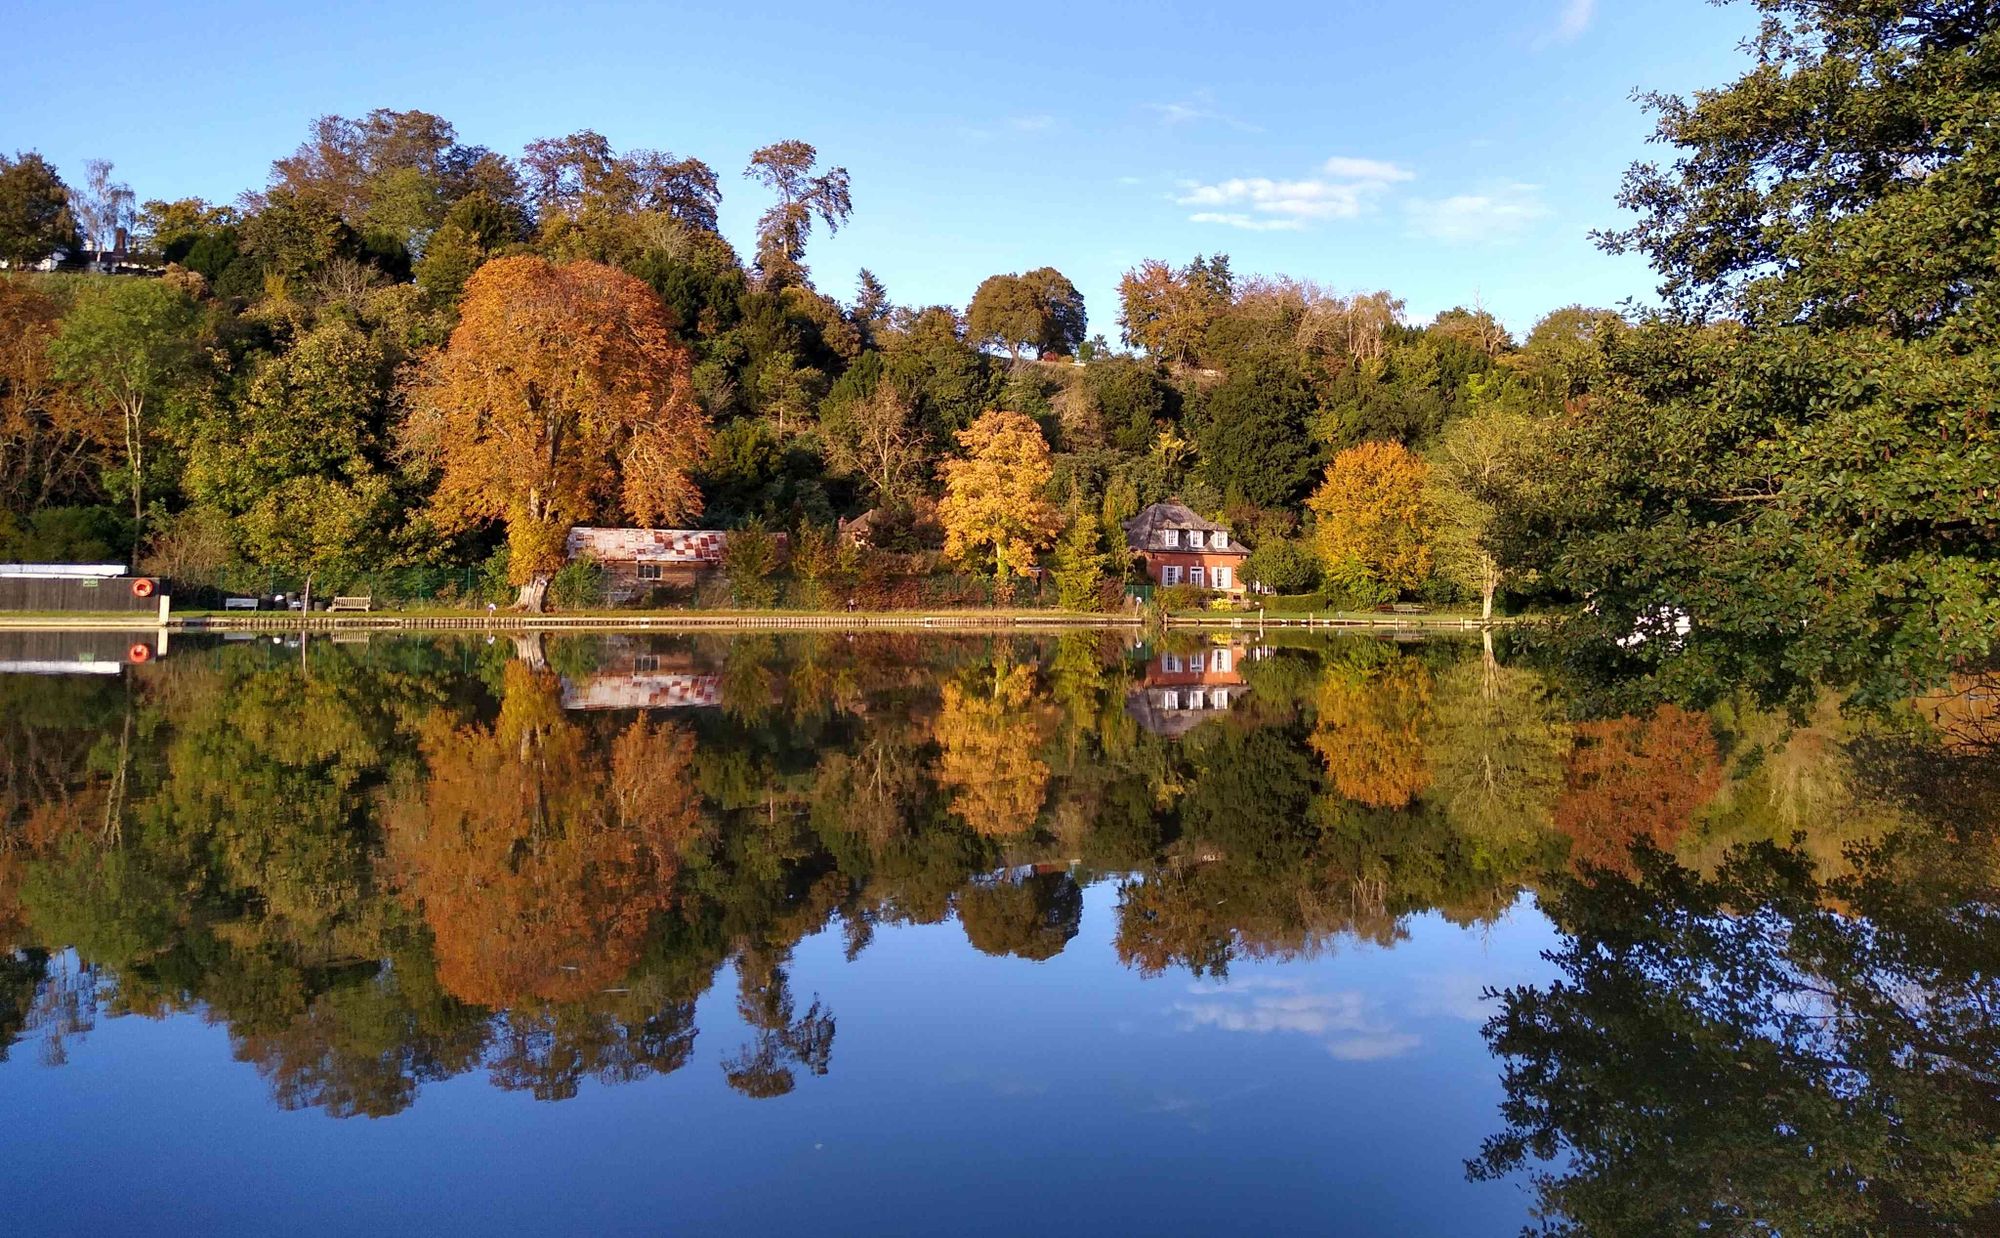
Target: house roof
[[647, 545], [1143, 531]]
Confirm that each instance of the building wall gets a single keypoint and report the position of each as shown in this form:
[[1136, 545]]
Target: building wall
[[1157, 561]]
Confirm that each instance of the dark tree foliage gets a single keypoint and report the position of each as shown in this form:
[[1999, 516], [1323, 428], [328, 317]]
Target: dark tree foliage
[[1253, 436]]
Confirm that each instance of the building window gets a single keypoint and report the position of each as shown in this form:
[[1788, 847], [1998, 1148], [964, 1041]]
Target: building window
[[1222, 578], [1172, 537], [1195, 663], [1170, 699], [1194, 698], [1195, 577], [1171, 663], [649, 571], [1219, 539], [1219, 699], [1170, 574], [645, 663], [1219, 662]]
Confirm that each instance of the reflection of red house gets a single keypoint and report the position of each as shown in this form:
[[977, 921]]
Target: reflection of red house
[[1180, 548], [1181, 690]]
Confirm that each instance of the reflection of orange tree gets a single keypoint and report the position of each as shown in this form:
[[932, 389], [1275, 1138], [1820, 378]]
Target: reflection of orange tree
[[539, 864], [991, 734], [1636, 780], [1370, 731]]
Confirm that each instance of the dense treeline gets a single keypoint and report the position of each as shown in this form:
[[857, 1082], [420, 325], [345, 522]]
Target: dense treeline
[[308, 386], [1786, 476]]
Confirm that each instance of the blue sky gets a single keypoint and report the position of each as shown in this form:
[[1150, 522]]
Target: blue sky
[[1444, 149]]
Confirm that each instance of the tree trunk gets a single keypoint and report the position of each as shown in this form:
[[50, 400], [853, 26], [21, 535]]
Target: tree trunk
[[528, 648], [534, 594]]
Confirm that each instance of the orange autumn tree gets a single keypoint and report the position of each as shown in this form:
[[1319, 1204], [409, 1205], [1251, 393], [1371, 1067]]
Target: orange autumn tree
[[538, 859], [996, 495], [990, 736], [1374, 519], [563, 397], [1632, 781]]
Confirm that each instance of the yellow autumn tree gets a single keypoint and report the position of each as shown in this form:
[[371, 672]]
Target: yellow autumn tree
[[991, 735], [562, 397], [1370, 731], [1374, 518], [996, 494]]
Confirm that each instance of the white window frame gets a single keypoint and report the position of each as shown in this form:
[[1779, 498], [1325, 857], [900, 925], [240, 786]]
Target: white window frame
[[649, 571], [1197, 577], [1170, 663], [1171, 538], [1218, 698], [1170, 699], [1170, 574], [1219, 661], [1196, 664], [1222, 578], [1196, 700]]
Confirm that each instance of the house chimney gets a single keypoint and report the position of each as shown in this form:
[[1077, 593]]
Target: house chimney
[[118, 245]]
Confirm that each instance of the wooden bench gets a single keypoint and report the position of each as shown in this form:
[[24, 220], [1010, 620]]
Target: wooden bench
[[1410, 608], [241, 603], [352, 603]]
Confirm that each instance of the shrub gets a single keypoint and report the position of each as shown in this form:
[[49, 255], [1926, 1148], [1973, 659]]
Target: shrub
[[577, 585]]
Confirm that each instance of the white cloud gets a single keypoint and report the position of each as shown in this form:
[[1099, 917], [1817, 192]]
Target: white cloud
[[1039, 123], [1347, 1024], [1236, 219], [1345, 188], [1500, 213], [1575, 19], [1198, 108]]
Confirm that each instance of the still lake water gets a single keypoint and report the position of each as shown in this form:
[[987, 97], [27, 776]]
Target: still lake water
[[884, 934]]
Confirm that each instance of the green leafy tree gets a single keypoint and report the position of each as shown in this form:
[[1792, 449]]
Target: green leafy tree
[[1252, 433], [1080, 564], [35, 216], [786, 168], [129, 346], [1807, 479]]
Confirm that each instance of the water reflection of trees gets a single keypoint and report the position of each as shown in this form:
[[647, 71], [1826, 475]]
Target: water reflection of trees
[[387, 866]]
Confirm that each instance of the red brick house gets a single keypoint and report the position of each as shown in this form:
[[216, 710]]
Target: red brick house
[[1180, 548]]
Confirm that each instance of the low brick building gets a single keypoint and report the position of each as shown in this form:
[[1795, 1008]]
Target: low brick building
[[637, 561], [1181, 548]]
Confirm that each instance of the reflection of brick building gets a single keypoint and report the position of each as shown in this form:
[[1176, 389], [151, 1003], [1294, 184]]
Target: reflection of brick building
[[632, 676], [1180, 690], [1180, 548]]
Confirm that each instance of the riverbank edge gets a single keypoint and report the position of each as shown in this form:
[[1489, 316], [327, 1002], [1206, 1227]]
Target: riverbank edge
[[276, 621]]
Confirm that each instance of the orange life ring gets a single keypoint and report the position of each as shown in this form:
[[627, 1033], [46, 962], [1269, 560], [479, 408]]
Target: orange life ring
[[141, 652], [142, 587]]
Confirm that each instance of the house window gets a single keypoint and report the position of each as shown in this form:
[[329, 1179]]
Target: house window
[[1219, 661], [1172, 537], [1170, 574], [1195, 577], [1195, 698], [649, 571], [645, 663], [1171, 663], [1195, 663], [1219, 699], [1219, 539], [1222, 578], [1194, 538], [1170, 699]]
